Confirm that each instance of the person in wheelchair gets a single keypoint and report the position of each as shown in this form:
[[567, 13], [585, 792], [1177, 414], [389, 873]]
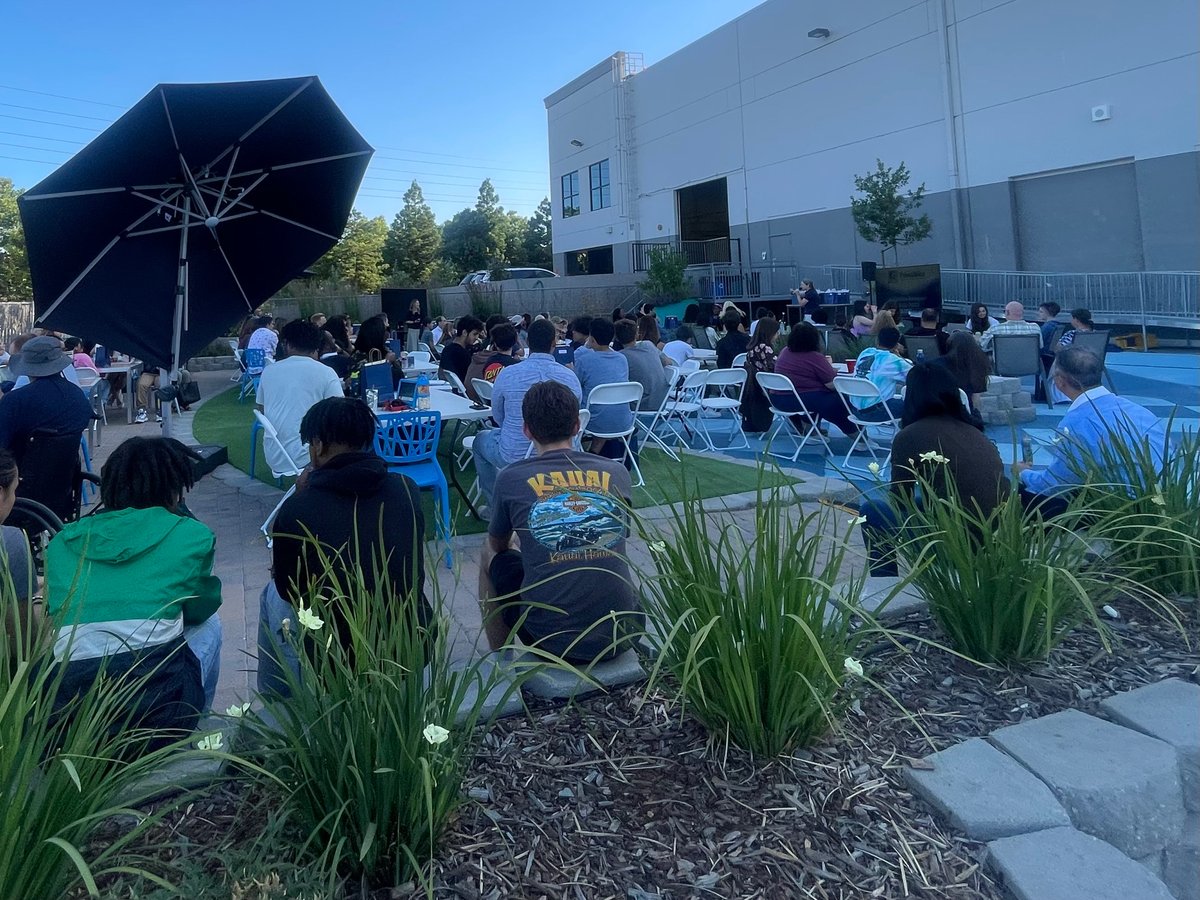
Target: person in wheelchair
[[49, 403], [131, 589]]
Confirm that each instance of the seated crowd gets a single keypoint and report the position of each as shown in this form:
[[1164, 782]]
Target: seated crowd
[[553, 571]]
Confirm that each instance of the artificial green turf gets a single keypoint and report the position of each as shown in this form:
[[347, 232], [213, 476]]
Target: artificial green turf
[[222, 420]]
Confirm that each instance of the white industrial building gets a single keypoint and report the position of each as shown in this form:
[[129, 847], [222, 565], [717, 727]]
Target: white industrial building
[[1051, 136]]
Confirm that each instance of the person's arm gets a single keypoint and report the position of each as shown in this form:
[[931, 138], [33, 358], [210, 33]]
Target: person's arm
[[825, 372], [206, 587], [985, 340]]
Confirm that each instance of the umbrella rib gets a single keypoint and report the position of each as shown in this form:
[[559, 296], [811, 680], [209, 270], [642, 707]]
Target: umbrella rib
[[78, 278], [242, 196], [182, 160], [228, 175], [332, 237], [179, 227], [257, 125], [233, 275], [313, 162], [29, 198], [160, 203]]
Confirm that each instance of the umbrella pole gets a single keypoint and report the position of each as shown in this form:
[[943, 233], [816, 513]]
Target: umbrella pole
[[170, 374]]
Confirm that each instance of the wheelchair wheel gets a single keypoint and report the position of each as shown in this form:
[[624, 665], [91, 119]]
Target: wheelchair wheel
[[39, 523]]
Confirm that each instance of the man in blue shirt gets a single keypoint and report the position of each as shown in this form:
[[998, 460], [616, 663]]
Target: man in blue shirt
[[1096, 420], [597, 363], [496, 448], [49, 403]]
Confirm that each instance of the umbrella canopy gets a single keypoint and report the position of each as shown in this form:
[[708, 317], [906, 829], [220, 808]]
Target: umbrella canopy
[[189, 211]]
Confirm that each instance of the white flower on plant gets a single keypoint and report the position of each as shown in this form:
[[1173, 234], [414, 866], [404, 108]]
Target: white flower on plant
[[286, 627], [436, 734], [237, 710], [857, 521], [853, 666], [309, 619], [1157, 499], [873, 468], [210, 741], [657, 547], [934, 456]]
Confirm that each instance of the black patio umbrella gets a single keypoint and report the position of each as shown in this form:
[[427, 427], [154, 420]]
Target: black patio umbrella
[[189, 211]]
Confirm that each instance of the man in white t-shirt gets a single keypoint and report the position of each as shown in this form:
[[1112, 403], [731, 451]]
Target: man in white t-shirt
[[290, 387], [680, 349]]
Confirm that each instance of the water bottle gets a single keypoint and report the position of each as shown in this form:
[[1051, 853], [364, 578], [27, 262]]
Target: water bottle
[[423, 401], [354, 383], [920, 356], [373, 398], [1027, 448]]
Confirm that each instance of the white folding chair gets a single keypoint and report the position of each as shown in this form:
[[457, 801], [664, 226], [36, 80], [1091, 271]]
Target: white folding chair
[[483, 390], [237, 355], [456, 384], [420, 357], [785, 404], [683, 403], [721, 403], [623, 393], [584, 417], [739, 361], [271, 436], [849, 386], [656, 416]]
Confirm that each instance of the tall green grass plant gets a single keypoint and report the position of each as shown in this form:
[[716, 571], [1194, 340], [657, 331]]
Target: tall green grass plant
[[367, 748], [751, 624], [64, 774]]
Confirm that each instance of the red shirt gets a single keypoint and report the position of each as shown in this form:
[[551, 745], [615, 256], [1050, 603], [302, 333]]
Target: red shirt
[[809, 371]]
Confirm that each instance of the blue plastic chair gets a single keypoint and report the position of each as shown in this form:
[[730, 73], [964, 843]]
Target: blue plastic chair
[[408, 443], [85, 451], [248, 384]]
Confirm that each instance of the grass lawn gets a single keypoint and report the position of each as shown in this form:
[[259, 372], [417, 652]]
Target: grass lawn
[[222, 420]]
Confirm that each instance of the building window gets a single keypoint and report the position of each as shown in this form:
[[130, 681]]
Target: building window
[[601, 194], [570, 195], [593, 261]]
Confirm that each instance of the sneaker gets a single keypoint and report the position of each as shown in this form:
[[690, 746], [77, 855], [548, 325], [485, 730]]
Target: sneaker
[[141, 418], [157, 418]]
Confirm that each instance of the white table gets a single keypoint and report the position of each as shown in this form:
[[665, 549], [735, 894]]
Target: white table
[[703, 355], [127, 369], [412, 369]]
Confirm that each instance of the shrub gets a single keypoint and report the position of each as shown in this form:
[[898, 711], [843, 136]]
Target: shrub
[[61, 776], [485, 301], [1007, 586], [751, 625], [366, 748], [1150, 516], [666, 280]]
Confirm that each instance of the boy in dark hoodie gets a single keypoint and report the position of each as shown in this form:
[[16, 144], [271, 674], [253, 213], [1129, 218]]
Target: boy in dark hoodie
[[358, 512], [486, 364]]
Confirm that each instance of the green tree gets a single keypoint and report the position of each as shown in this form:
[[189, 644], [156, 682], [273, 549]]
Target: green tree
[[488, 201], [414, 241], [665, 280], [467, 241], [882, 214], [515, 226], [358, 257], [14, 261], [537, 250]]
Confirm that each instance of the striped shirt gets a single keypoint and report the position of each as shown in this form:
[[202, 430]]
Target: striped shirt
[[1007, 327], [512, 384]]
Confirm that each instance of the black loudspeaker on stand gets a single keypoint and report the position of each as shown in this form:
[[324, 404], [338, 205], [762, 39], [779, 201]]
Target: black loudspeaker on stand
[[868, 270]]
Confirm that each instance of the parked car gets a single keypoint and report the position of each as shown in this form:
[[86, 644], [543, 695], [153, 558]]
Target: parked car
[[517, 273]]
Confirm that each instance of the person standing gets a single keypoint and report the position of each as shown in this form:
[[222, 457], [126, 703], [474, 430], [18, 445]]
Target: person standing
[[809, 299], [288, 389]]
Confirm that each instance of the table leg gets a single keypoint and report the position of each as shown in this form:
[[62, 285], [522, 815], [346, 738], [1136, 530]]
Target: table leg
[[454, 470], [130, 394]]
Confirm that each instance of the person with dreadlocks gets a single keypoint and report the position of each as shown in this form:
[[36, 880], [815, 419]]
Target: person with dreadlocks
[[131, 588], [348, 517]]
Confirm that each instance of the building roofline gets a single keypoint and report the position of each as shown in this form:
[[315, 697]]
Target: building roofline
[[601, 68]]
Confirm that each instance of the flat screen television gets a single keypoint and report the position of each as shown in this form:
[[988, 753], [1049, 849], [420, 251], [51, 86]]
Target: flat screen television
[[913, 287]]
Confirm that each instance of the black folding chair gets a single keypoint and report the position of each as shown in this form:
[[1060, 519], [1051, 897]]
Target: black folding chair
[[52, 473]]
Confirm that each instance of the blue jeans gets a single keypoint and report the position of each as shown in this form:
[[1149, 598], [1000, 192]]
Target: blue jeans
[[882, 529], [204, 640], [488, 461], [275, 653], [878, 412]]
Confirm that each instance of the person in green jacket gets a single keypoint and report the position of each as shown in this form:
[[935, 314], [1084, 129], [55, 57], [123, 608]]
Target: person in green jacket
[[131, 589]]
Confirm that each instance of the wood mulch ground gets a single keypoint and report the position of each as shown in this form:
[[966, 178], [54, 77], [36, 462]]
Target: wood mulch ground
[[619, 796]]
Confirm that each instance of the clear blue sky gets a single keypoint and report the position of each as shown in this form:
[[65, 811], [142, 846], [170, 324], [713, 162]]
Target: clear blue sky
[[453, 91]]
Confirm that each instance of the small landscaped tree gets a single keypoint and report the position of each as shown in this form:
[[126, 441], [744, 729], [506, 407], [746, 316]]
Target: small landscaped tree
[[665, 280], [883, 212]]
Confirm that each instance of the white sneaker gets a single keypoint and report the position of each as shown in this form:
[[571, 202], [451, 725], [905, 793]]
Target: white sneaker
[[157, 418], [142, 418]]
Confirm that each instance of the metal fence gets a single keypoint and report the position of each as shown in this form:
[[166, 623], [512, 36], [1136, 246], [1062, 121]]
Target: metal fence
[[1165, 299], [698, 253]]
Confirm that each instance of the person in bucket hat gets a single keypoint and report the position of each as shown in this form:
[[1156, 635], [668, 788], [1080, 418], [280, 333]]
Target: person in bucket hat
[[48, 403]]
